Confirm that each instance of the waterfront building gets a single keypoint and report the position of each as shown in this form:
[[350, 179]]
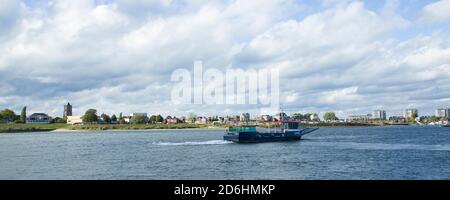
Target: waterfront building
[[443, 112], [216, 123], [358, 118], [379, 114], [397, 119], [73, 120], [245, 117], [265, 118], [230, 119], [38, 118], [281, 116], [182, 119], [171, 120], [138, 114], [201, 120], [67, 111], [411, 113], [127, 119]]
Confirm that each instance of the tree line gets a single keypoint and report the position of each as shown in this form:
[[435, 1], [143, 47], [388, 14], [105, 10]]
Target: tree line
[[8, 116], [91, 117]]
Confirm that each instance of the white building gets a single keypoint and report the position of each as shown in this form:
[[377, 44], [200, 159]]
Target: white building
[[138, 114], [265, 118], [245, 117], [74, 120], [201, 120], [409, 113], [441, 112], [127, 119], [281, 116], [379, 114], [358, 118]]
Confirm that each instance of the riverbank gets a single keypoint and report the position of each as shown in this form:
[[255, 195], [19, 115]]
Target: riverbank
[[17, 128], [104, 127], [345, 125]]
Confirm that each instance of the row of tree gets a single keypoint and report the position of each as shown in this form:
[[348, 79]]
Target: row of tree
[[7, 115], [303, 117], [330, 116], [91, 117]]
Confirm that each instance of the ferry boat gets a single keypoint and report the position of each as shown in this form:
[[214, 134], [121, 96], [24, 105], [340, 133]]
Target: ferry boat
[[288, 131]]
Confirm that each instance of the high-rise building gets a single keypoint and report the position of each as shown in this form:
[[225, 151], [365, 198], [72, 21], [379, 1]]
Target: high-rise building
[[281, 116], [379, 114], [245, 117], [410, 113], [67, 110], [443, 112]]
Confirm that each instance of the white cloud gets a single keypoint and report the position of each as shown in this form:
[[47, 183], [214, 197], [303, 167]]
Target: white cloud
[[117, 56], [436, 12]]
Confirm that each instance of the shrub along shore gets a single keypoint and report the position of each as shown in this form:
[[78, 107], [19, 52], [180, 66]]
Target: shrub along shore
[[17, 128], [100, 127]]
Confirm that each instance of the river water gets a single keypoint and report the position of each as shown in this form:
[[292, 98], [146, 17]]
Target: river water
[[410, 152]]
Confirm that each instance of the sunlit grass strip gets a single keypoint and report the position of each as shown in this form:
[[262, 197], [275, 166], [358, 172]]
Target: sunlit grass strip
[[12, 128]]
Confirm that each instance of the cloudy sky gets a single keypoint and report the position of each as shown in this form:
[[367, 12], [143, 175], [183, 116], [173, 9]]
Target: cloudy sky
[[346, 56]]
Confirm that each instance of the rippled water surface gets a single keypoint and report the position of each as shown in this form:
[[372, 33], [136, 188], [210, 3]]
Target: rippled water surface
[[339, 153]]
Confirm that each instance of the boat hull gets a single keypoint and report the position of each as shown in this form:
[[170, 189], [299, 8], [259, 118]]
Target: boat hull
[[257, 137], [241, 138]]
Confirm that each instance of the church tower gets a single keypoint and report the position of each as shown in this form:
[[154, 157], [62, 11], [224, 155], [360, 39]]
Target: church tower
[[67, 110]]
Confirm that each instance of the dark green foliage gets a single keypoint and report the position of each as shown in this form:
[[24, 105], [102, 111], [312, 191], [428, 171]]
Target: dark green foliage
[[152, 119], [23, 115], [90, 116], [8, 115], [159, 119], [139, 119], [113, 119], [106, 118], [58, 120], [121, 120], [329, 116]]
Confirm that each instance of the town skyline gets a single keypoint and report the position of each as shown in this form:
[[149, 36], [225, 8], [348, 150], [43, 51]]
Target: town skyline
[[374, 114]]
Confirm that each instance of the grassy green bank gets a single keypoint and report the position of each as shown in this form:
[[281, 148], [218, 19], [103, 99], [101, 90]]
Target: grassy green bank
[[100, 127], [17, 128], [346, 124]]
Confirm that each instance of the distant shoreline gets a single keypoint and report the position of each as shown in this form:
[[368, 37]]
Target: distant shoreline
[[20, 128], [139, 130]]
